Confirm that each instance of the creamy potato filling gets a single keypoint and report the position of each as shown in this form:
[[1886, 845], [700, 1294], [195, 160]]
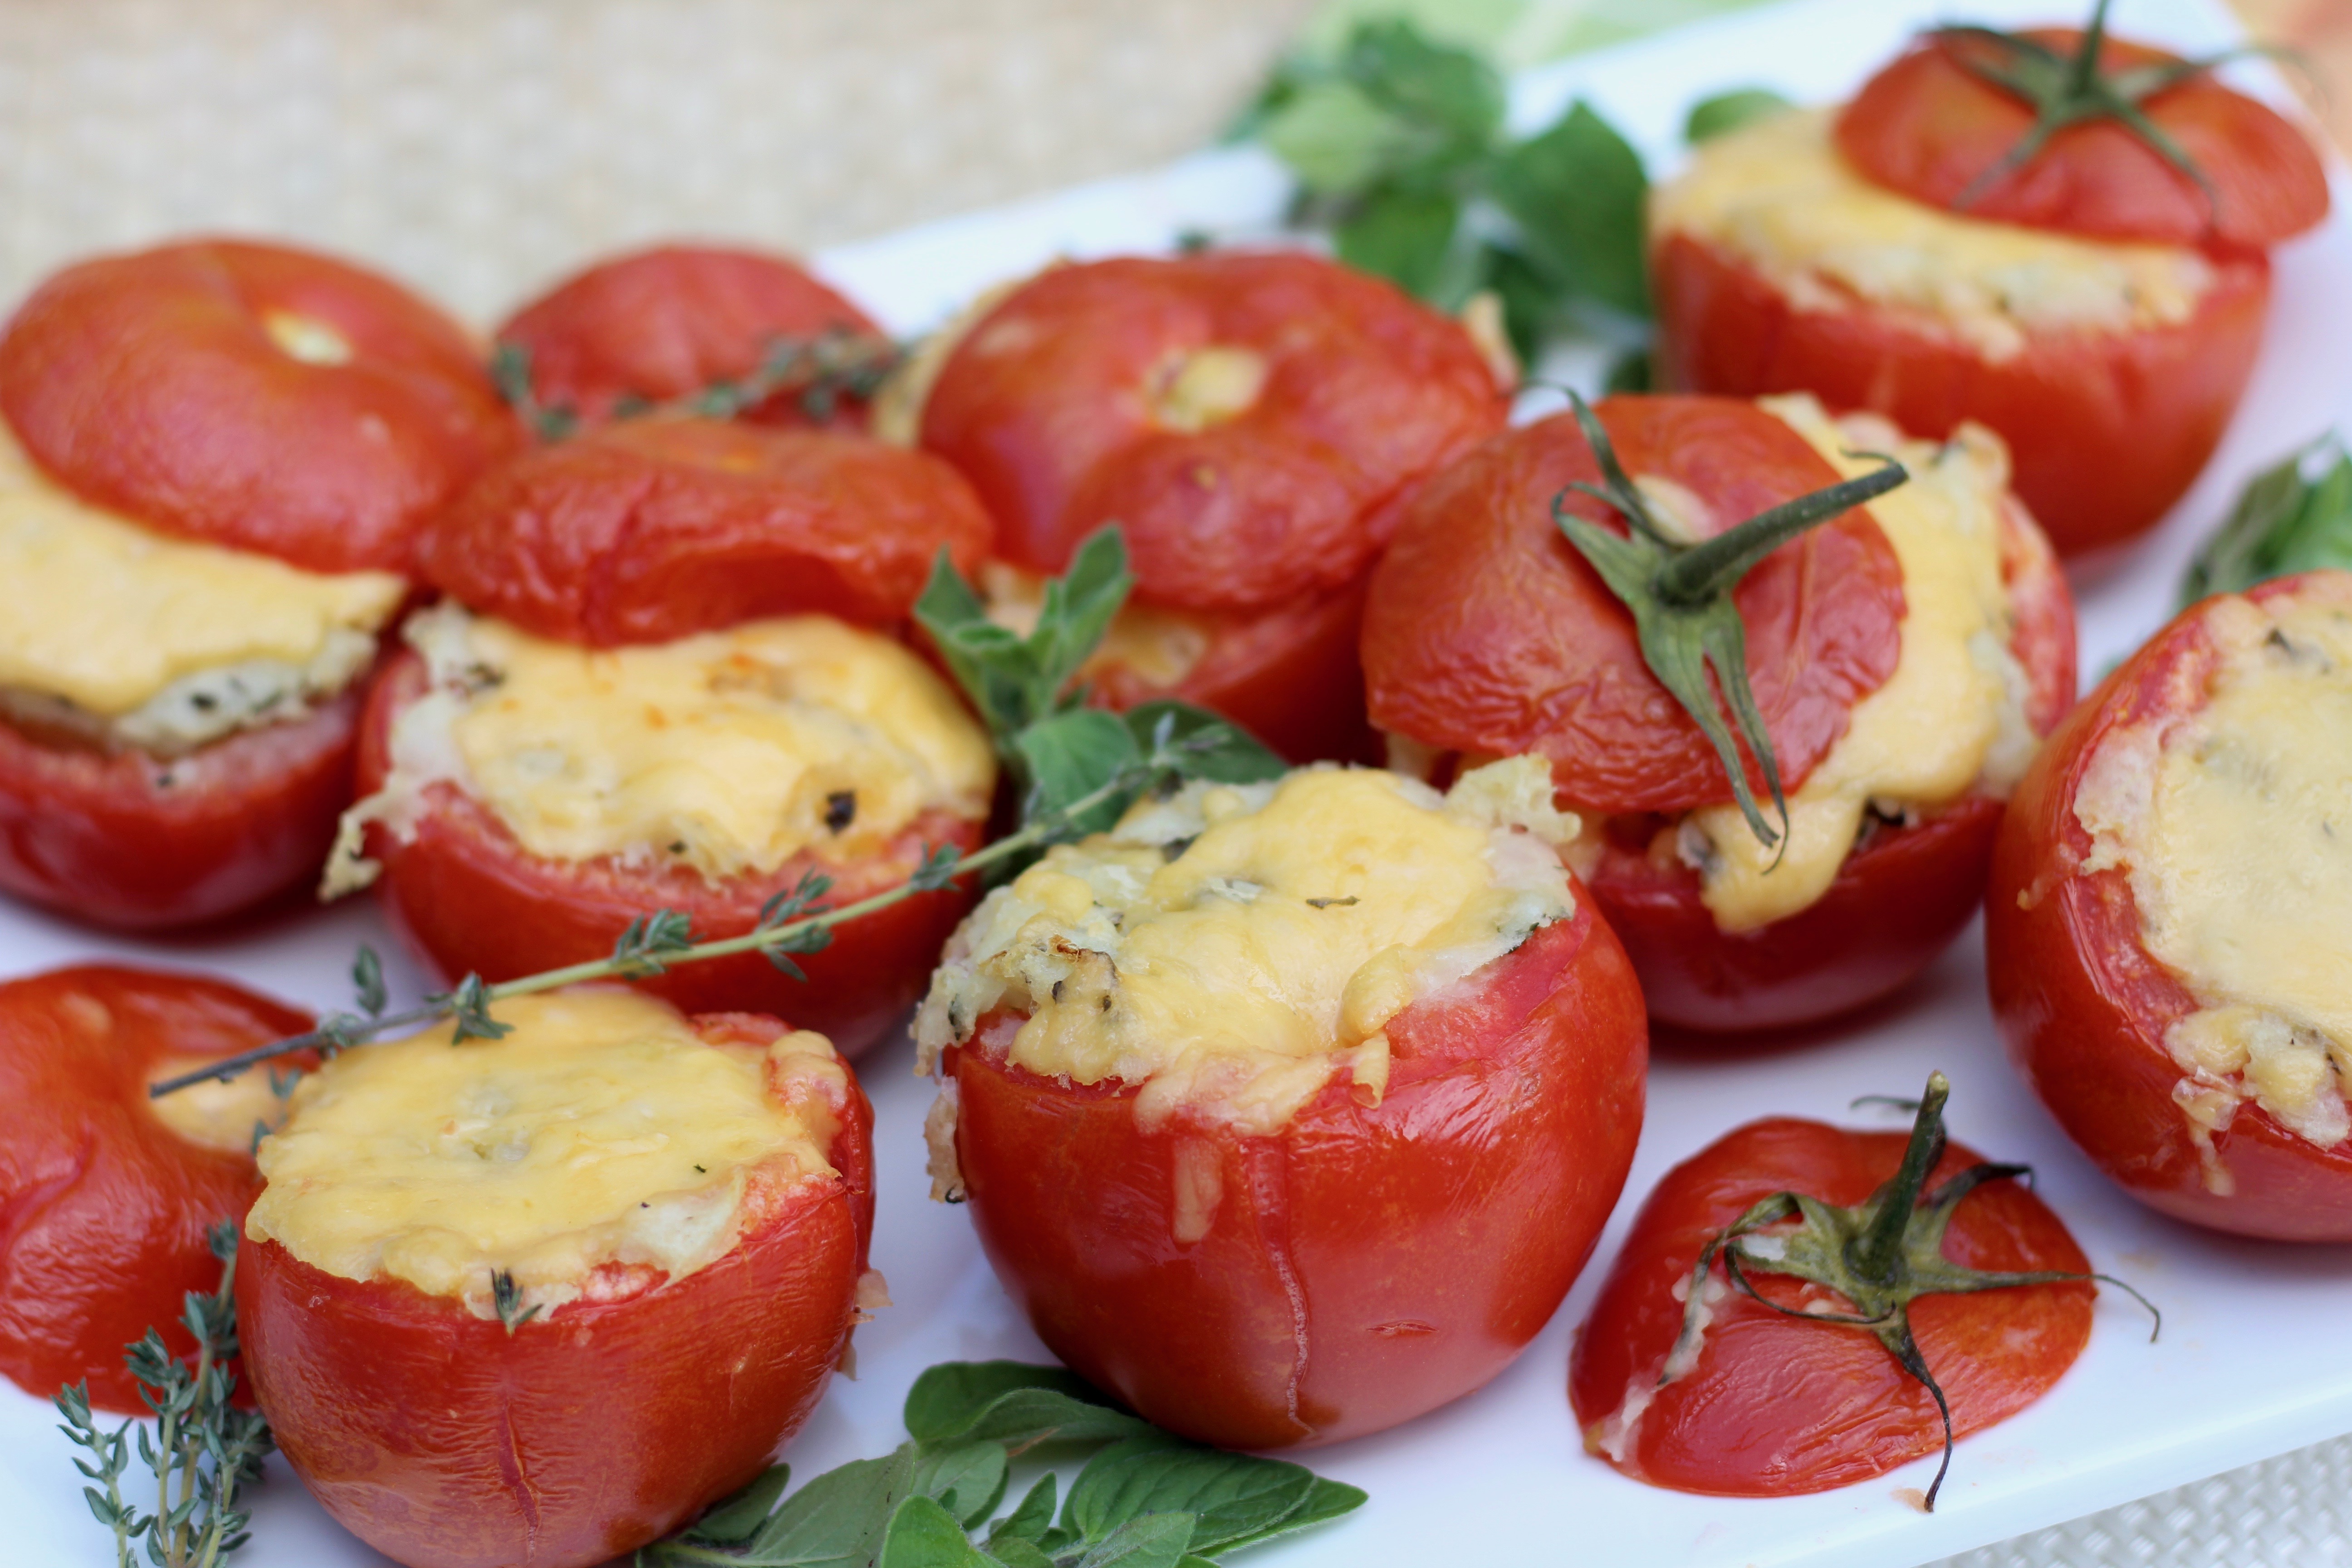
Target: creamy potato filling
[[225, 1115], [126, 638], [1161, 644], [1228, 949], [1952, 716], [727, 752], [1779, 195], [2234, 824], [602, 1140]]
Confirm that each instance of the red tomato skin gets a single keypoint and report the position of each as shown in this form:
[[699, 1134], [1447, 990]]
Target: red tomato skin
[[1405, 1252], [1897, 903], [149, 383], [1046, 406], [667, 321], [101, 837], [468, 897], [1486, 631], [2084, 1007], [445, 1442], [1774, 1406], [649, 531], [1928, 127], [103, 1227], [2106, 429]]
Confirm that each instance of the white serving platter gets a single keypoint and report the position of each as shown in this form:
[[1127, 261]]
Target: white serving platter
[[2247, 1366]]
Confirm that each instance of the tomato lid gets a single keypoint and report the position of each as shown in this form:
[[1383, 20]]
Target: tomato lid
[[252, 395], [1932, 126], [1487, 632], [649, 530]]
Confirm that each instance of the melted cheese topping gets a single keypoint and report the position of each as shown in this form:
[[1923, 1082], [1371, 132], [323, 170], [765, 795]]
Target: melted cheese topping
[[228, 1116], [603, 1130], [129, 636], [1952, 715], [729, 752], [1227, 949], [1161, 644], [2235, 825], [1779, 195]]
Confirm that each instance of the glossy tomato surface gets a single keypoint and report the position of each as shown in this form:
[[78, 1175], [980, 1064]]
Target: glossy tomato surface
[[252, 395], [2084, 1007], [1487, 632], [1900, 898], [1774, 1406], [1365, 1264], [1929, 126], [1062, 406], [443, 1441], [648, 531], [106, 1206], [140, 843], [2106, 429], [471, 899], [669, 322]]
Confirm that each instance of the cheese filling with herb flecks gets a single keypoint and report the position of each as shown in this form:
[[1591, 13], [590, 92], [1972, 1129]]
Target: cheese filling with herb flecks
[[602, 1138], [727, 751], [1227, 949], [2234, 824]]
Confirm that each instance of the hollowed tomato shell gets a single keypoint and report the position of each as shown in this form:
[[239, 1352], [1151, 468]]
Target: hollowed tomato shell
[[140, 843], [671, 321], [1774, 1406], [104, 1208], [151, 384], [2106, 429], [469, 898], [1898, 901], [1361, 1267], [443, 1441], [2084, 1007], [652, 530]]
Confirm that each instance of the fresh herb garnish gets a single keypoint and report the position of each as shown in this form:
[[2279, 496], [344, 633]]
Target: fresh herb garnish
[[202, 1450], [1680, 597], [1880, 1256], [1727, 112], [823, 369], [1145, 1498], [1077, 768], [1401, 151], [2065, 90], [2294, 516]]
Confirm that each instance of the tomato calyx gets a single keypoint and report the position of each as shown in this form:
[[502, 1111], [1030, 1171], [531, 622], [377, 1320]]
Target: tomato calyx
[[1881, 1255], [1680, 597], [2067, 91], [821, 369]]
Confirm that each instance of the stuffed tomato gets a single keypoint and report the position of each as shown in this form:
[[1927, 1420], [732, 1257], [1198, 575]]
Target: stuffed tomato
[[532, 1302], [215, 461], [1903, 659], [111, 1193], [1289, 1111], [1254, 422], [678, 322], [2095, 305], [2168, 929], [666, 678]]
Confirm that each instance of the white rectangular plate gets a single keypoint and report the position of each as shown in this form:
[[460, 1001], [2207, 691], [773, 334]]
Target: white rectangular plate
[[2247, 1366]]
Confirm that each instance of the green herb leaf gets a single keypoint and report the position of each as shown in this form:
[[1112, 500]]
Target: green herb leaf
[[1017, 1552], [967, 1479], [1424, 83], [1013, 681], [1211, 747], [1576, 193], [922, 1535], [649, 939], [839, 1519], [1071, 755], [1406, 237], [1326, 1501], [1335, 138], [469, 1005], [367, 980], [1031, 1519], [1711, 117], [736, 1518], [1150, 1541], [1014, 1403], [1234, 1497], [2294, 516]]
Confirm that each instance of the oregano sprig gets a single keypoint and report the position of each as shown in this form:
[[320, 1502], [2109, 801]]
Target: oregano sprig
[[2295, 516], [1680, 597], [1882, 1256]]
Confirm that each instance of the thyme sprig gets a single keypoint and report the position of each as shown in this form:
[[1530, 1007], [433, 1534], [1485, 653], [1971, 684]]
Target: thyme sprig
[[1077, 767], [1680, 597], [2065, 90], [202, 1450], [823, 368], [1882, 1256]]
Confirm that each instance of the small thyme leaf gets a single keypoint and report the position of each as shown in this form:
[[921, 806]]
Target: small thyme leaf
[[469, 1004], [1882, 1256], [506, 1299], [367, 980], [648, 939], [1680, 598], [510, 374]]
